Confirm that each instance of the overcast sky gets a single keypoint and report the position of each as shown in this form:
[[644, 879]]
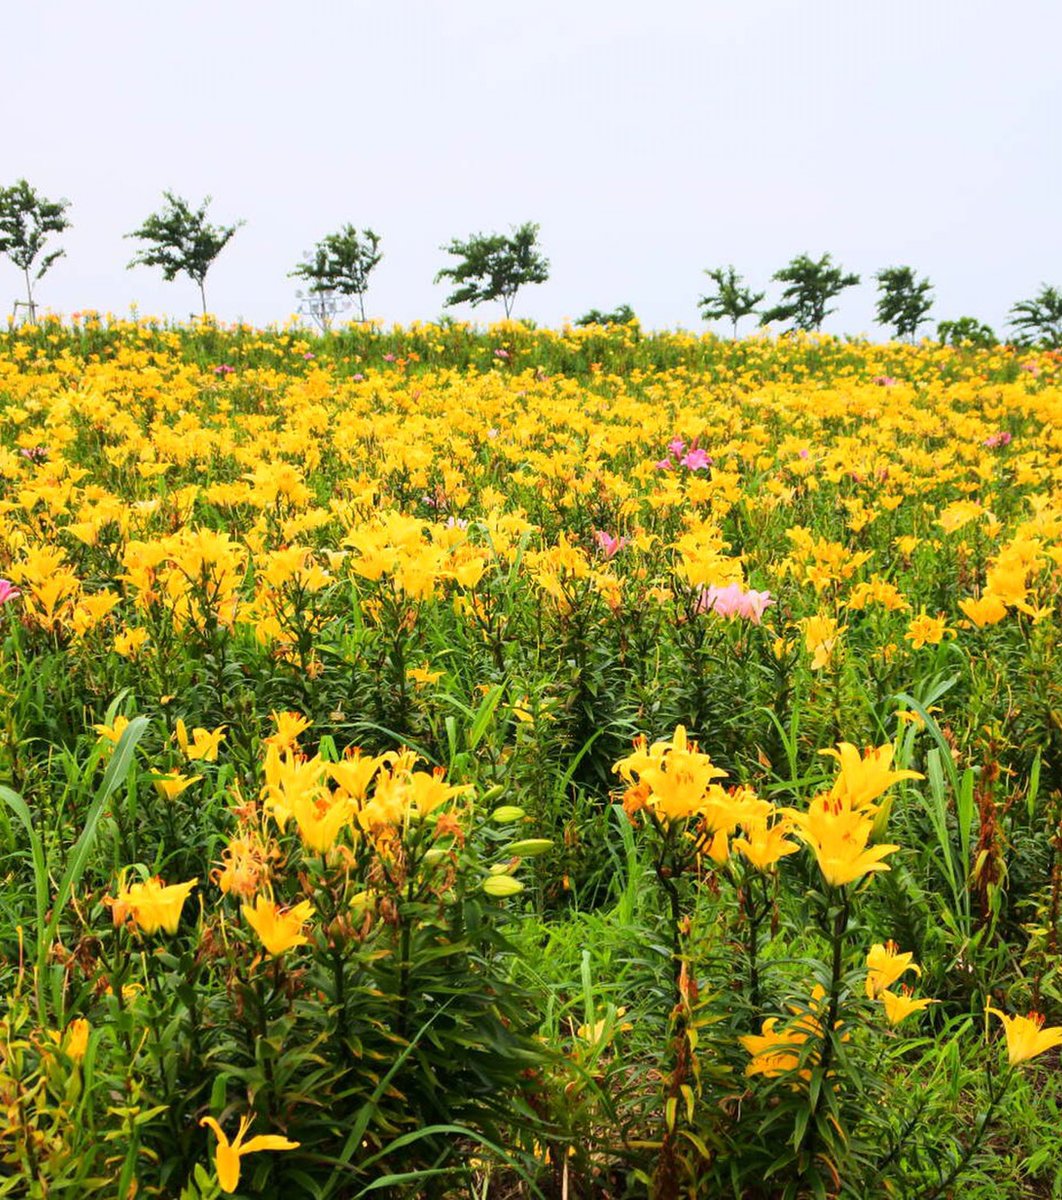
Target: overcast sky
[[650, 140]]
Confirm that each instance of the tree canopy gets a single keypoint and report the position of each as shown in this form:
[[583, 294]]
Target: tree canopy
[[810, 285], [730, 301], [179, 239], [903, 300], [494, 266], [1040, 319], [342, 263], [623, 314], [26, 221], [966, 331]]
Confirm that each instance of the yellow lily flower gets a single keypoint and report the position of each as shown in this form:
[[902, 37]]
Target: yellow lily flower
[[152, 905], [1026, 1036], [675, 777], [925, 630], [320, 816], [863, 778], [112, 733], [821, 635], [838, 838], [289, 726], [885, 964], [899, 1006], [74, 1041], [171, 786], [204, 743], [773, 1053], [988, 610], [278, 929], [428, 791], [763, 845], [228, 1154]]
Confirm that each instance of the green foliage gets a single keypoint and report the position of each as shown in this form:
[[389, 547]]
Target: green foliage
[[966, 331], [730, 301], [810, 285], [903, 300], [784, 1077], [342, 263], [580, 1030], [623, 315], [180, 240], [50, 910], [495, 267], [1039, 320], [392, 1039], [26, 220]]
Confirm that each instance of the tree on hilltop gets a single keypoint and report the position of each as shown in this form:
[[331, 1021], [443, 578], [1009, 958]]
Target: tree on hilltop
[[903, 300], [966, 331], [494, 267], [811, 285], [730, 300], [26, 220], [341, 263], [1040, 319], [622, 315], [180, 240]]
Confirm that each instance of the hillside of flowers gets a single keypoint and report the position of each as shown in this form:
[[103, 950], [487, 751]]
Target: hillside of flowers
[[439, 762]]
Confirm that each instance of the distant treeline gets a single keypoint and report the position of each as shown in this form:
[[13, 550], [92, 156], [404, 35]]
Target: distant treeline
[[178, 239]]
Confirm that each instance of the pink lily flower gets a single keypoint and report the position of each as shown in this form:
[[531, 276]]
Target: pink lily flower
[[608, 545], [734, 601]]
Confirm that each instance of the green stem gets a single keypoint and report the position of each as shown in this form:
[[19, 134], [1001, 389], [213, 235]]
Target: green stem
[[829, 1031], [404, 965], [263, 1036], [665, 874], [994, 1098], [754, 915], [840, 925]]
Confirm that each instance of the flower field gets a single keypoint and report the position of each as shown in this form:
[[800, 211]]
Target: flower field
[[579, 763]]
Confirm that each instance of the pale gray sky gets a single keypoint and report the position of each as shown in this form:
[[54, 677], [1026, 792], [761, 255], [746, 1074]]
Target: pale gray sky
[[649, 140]]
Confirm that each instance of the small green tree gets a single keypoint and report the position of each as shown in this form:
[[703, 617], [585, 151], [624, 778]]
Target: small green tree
[[179, 239], [623, 315], [810, 285], [903, 300], [342, 263], [1040, 319], [26, 220], [494, 267], [966, 331], [730, 301]]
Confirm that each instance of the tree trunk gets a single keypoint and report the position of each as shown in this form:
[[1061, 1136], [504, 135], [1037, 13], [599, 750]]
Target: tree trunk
[[29, 298]]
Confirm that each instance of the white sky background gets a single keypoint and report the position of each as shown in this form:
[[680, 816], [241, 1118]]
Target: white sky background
[[649, 140]]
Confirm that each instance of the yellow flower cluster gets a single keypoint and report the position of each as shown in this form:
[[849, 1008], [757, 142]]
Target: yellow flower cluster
[[886, 965], [777, 1051], [839, 824], [141, 490], [324, 800], [674, 781]]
